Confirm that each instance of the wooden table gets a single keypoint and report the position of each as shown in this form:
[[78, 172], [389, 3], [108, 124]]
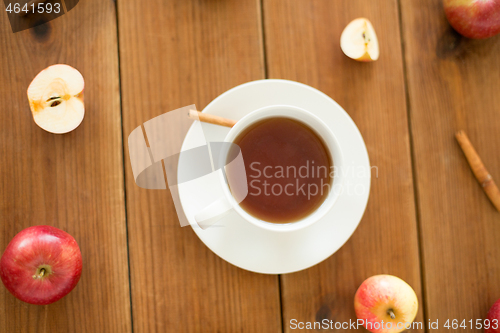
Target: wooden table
[[427, 220]]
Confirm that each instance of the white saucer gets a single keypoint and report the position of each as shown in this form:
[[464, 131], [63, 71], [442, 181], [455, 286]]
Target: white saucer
[[249, 247]]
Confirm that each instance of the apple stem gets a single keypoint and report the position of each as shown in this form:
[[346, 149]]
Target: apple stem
[[390, 312], [41, 272]]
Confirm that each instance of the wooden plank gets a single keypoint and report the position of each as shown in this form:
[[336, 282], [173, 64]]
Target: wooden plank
[[453, 84], [302, 44], [72, 181], [174, 54]]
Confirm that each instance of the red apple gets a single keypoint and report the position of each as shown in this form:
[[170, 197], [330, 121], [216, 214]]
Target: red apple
[[474, 18], [385, 304], [494, 318], [41, 265]]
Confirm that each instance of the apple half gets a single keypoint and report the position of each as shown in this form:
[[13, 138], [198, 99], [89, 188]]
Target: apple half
[[359, 41], [56, 99]]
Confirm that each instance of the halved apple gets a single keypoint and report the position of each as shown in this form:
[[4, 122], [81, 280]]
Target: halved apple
[[359, 41], [56, 99]]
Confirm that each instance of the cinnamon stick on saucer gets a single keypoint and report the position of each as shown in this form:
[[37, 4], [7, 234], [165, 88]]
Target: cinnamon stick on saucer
[[210, 118], [482, 175]]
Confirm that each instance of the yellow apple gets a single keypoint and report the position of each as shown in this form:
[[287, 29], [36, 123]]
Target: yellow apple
[[386, 304]]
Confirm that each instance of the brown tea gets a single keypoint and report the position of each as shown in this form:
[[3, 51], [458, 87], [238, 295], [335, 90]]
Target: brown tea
[[288, 167]]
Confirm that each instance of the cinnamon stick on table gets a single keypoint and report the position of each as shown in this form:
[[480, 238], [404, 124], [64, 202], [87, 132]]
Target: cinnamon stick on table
[[482, 175]]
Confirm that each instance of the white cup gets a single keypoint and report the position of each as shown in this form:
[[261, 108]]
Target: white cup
[[222, 206]]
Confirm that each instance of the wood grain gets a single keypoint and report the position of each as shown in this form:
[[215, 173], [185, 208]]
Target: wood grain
[[72, 181], [174, 54], [302, 44], [453, 84]]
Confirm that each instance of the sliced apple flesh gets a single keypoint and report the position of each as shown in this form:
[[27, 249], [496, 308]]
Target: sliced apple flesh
[[56, 99], [359, 41]]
